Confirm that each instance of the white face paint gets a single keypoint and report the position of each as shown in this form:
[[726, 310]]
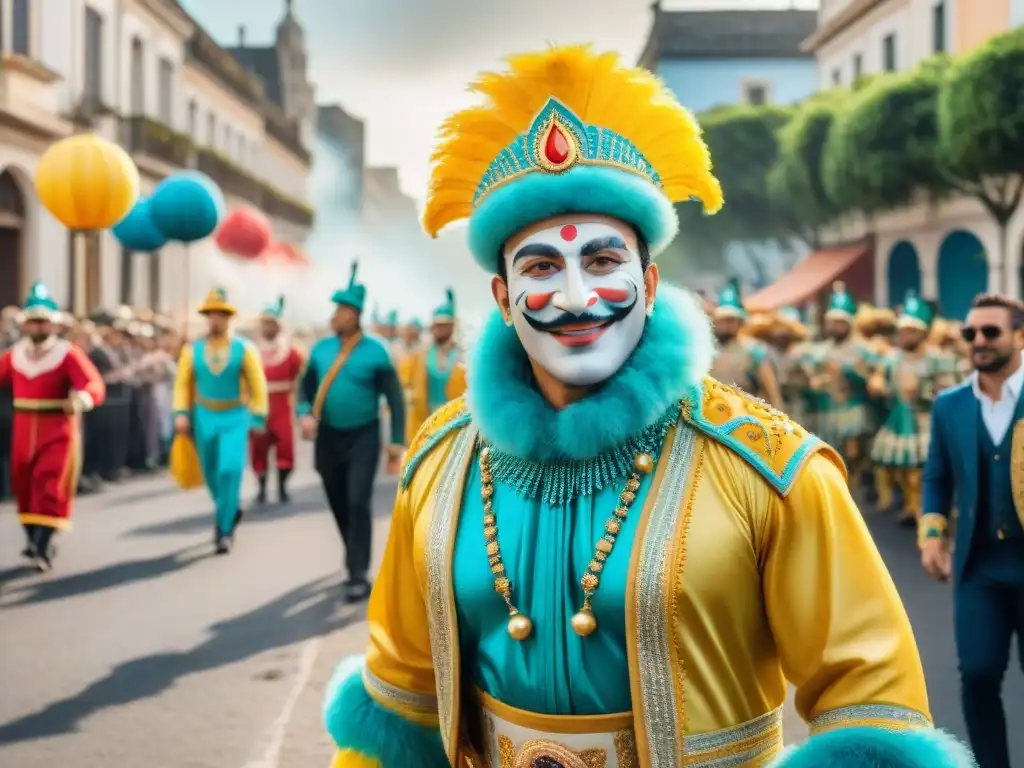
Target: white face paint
[[578, 300]]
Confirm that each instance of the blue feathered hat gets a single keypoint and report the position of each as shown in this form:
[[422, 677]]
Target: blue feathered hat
[[446, 312], [354, 295], [274, 311], [916, 313], [567, 130], [841, 305], [391, 319], [729, 302], [39, 304]]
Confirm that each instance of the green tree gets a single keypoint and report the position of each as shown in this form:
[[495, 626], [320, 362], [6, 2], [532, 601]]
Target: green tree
[[795, 183], [743, 145], [884, 146], [981, 129]]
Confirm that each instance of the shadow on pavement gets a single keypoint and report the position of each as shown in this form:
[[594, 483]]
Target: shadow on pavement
[[115, 575], [304, 501], [305, 612]]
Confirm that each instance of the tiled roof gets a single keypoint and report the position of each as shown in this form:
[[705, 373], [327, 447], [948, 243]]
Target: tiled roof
[[263, 63], [728, 34]]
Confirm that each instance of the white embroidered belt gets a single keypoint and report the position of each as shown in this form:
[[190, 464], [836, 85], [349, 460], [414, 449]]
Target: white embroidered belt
[[514, 738], [277, 387]]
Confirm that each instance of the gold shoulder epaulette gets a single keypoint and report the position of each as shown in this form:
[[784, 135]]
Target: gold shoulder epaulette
[[442, 422], [772, 443]]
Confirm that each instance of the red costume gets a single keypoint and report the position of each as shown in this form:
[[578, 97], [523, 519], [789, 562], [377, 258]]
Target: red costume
[[283, 365], [48, 380]]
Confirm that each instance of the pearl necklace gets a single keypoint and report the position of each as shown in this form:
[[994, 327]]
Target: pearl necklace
[[520, 626]]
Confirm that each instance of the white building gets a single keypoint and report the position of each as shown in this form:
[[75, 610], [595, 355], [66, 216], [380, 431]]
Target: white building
[[949, 251], [141, 72]]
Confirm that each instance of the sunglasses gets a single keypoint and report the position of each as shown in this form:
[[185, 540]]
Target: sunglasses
[[990, 332]]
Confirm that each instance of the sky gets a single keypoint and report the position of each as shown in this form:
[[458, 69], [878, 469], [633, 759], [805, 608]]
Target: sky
[[402, 66]]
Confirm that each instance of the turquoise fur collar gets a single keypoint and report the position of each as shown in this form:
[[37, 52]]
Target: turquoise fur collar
[[673, 356]]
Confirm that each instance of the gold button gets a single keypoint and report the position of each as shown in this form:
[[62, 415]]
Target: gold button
[[1001, 534], [997, 457]]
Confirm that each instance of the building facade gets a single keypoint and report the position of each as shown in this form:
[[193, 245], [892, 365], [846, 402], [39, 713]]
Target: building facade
[[719, 57], [145, 74], [948, 251]]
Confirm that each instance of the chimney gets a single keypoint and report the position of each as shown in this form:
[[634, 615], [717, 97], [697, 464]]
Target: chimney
[[241, 35]]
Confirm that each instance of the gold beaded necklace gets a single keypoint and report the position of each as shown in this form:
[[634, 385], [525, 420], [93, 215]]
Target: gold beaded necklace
[[520, 626]]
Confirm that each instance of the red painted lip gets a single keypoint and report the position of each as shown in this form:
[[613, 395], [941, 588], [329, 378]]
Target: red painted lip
[[580, 334]]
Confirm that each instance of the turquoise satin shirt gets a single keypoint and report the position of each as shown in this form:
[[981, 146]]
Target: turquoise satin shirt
[[218, 374], [554, 671]]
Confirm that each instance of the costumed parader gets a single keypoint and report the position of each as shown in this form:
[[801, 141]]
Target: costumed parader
[[600, 555], [220, 395], [437, 374], [787, 341], [741, 360], [909, 379], [839, 371], [283, 364], [347, 375], [53, 383]]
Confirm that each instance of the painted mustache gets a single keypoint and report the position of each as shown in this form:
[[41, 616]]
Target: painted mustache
[[567, 319]]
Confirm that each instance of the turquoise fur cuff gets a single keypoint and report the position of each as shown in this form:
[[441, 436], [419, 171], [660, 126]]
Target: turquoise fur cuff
[[582, 189], [878, 748], [355, 721]]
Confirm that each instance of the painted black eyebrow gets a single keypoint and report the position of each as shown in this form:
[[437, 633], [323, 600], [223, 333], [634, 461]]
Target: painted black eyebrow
[[603, 244], [537, 249]]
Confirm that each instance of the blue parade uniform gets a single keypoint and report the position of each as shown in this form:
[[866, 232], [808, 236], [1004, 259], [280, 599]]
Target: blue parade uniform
[[344, 382], [221, 387]]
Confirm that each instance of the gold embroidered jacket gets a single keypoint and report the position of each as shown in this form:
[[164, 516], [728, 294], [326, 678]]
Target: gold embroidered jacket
[[752, 566]]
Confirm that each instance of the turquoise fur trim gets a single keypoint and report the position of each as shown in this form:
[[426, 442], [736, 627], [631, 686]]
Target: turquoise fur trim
[[460, 420], [783, 483], [590, 145], [559, 482], [864, 747], [582, 189], [355, 721], [673, 355]]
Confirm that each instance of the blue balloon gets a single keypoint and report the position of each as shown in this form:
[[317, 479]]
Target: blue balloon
[[187, 206], [137, 232]]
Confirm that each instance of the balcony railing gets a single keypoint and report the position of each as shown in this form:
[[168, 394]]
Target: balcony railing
[[232, 179], [146, 136], [281, 206]]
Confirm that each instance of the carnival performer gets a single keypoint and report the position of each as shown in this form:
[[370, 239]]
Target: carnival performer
[[909, 379], [787, 340], [346, 377], [53, 383], [437, 374], [283, 365], [741, 360], [840, 371], [531, 608], [220, 395]]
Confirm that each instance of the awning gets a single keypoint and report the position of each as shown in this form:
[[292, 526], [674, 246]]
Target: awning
[[807, 278]]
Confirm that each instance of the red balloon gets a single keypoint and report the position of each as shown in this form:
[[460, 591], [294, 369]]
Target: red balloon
[[245, 232], [283, 255]]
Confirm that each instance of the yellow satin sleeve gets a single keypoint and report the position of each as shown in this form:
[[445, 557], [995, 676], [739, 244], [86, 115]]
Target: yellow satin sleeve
[[183, 379], [349, 758], [399, 673], [456, 386], [842, 634], [255, 382]]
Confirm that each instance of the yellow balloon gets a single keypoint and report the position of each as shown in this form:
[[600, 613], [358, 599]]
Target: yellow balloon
[[87, 182]]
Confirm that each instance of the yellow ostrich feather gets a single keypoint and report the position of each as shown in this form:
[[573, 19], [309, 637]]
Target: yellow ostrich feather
[[601, 92]]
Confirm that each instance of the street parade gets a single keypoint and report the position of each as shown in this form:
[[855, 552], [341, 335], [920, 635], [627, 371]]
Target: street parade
[[645, 430]]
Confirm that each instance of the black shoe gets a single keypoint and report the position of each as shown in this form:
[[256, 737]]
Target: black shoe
[[223, 545], [282, 485], [29, 552], [43, 560], [357, 590]]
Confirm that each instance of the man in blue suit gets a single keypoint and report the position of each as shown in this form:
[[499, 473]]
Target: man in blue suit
[[976, 455]]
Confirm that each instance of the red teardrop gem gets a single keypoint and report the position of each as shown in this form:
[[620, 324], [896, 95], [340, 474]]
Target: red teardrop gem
[[556, 148]]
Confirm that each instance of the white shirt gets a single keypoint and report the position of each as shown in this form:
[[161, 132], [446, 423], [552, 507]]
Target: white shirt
[[998, 414]]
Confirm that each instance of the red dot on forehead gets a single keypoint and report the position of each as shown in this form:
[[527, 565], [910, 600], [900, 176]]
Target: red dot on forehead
[[569, 233]]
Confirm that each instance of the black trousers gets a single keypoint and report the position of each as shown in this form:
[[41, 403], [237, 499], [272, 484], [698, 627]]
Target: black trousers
[[988, 612], [347, 460]]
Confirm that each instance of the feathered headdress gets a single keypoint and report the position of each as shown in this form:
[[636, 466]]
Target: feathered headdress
[[354, 295], [562, 131], [446, 312]]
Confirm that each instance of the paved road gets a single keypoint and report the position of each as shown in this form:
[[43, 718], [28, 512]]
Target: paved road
[[144, 650]]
